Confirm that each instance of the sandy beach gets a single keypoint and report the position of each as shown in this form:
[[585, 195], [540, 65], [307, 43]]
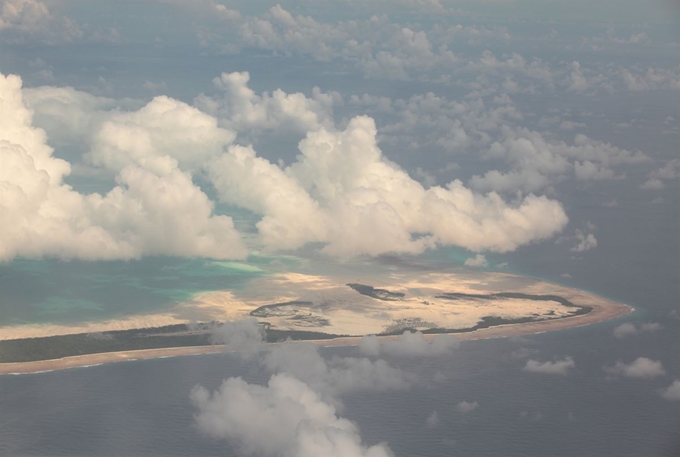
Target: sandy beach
[[602, 311]]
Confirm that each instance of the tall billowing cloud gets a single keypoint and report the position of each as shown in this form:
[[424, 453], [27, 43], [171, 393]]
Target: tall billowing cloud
[[163, 135], [144, 214], [343, 192]]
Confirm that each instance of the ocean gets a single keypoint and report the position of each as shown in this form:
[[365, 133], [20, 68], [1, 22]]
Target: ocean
[[142, 408]]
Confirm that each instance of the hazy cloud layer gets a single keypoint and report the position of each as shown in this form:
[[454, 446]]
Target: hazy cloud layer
[[336, 375], [629, 329], [382, 49]]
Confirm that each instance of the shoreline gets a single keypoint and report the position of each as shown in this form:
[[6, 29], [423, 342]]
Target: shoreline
[[599, 313]]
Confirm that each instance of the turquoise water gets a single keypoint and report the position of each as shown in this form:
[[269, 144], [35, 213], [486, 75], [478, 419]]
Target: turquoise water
[[42, 291], [52, 291]]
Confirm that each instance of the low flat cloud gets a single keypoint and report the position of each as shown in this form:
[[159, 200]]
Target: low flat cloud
[[640, 368], [409, 344], [558, 367], [629, 329]]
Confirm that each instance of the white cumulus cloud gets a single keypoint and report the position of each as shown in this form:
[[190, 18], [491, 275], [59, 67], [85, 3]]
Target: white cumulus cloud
[[144, 214], [640, 368], [343, 192], [286, 418]]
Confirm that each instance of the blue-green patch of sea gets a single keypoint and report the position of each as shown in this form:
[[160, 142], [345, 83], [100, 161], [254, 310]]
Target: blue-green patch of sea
[[52, 291]]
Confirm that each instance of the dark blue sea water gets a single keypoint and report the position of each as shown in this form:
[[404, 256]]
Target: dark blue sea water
[[142, 408]]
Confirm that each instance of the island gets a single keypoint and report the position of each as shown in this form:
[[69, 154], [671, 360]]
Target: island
[[325, 310]]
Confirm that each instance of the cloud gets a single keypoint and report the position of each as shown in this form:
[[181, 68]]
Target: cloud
[[163, 135], [338, 374], [239, 108], [144, 214], [477, 261], [204, 8], [340, 189], [21, 20], [578, 81], [652, 184], [656, 178], [409, 344], [239, 335], [558, 367], [70, 115], [285, 418], [584, 242], [640, 368], [672, 392], [432, 420], [465, 407], [344, 193], [302, 397], [651, 79], [629, 329], [535, 162]]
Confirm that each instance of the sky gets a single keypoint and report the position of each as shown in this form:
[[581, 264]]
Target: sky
[[539, 136]]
